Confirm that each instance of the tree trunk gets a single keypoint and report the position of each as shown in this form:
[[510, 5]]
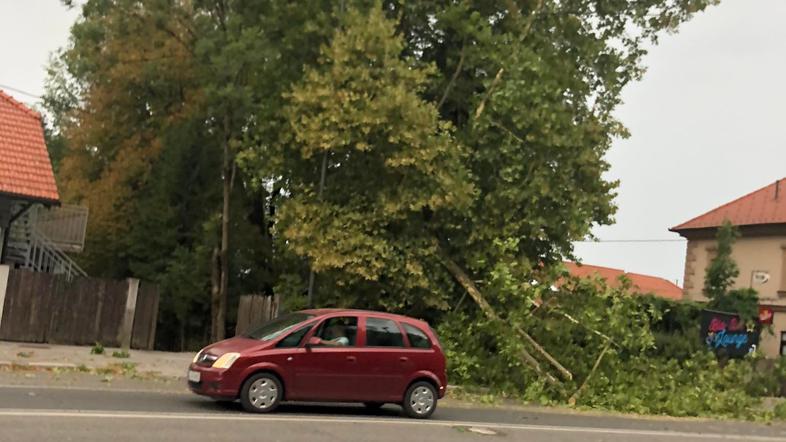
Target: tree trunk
[[311, 274], [221, 283], [475, 294], [215, 294]]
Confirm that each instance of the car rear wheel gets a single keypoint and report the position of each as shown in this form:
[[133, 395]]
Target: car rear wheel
[[420, 400], [261, 393]]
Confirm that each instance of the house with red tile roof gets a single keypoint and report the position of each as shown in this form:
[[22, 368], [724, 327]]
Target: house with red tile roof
[[641, 284], [760, 253], [34, 226]]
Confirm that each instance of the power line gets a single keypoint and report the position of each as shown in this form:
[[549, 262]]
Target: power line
[[20, 91], [629, 240]]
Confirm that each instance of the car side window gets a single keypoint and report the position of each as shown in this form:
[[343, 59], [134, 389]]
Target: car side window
[[339, 332], [417, 338], [294, 338], [383, 333]]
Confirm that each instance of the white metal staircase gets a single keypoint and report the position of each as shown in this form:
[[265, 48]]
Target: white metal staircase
[[38, 237]]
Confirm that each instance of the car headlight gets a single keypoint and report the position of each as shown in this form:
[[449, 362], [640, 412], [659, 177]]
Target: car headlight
[[196, 358], [226, 360]]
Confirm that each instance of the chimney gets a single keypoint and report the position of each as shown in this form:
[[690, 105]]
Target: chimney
[[777, 188]]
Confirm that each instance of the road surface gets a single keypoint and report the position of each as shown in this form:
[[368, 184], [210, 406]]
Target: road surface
[[38, 413]]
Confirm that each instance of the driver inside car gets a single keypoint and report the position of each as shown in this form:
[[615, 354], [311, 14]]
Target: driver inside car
[[336, 336]]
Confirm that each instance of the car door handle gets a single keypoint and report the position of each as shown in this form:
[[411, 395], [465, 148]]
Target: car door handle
[[290, 359], [403, 359], [352, 359]]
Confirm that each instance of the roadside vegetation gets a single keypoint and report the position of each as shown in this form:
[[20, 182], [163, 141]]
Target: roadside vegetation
[[436, 159], [626, 352]]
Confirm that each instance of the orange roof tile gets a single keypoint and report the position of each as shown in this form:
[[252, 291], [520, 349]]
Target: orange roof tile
[[25, 168], [642, 284], [764, 206]]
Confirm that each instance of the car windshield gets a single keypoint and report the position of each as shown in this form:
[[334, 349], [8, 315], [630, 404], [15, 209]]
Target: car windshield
[[277, 327]]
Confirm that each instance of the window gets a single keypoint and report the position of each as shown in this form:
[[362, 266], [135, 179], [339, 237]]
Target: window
[[279, 326], [294, 338], [341, 331], [417, 338], [383, 333], [783, 343]]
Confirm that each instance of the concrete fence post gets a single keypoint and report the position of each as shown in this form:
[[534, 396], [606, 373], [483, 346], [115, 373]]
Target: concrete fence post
[[4, 272], [127, 326]]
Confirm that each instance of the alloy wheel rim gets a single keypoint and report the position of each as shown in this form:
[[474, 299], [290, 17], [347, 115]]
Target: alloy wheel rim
[[263, 393], [421, 400]]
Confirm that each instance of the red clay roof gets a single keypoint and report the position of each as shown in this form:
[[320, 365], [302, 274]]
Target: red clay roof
[[764, 206], [25, 168], [642, 284]]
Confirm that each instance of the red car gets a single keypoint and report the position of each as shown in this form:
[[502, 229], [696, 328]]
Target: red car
[[327, 355]]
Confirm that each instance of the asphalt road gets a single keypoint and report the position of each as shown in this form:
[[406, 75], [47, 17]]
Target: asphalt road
[[39, 413]]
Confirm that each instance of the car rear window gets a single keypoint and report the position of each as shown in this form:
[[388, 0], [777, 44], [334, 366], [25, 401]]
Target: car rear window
[[383, 333], [417, 337]]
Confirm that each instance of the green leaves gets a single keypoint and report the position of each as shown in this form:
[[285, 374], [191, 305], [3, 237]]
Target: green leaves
[[392, 164], [721, 275], [723, 269]]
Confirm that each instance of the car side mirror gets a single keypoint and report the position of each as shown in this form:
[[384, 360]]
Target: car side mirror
[[313, 342]]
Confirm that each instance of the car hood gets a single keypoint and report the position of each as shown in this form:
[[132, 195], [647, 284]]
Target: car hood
[[238, 344]]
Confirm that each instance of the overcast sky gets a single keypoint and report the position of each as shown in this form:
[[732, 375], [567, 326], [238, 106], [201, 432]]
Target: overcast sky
[[707, 121]]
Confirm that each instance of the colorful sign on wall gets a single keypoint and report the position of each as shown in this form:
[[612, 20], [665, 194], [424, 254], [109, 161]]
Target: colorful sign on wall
[[765, 315], [727, 335]]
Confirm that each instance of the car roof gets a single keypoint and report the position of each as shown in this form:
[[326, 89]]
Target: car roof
[[327, 311]]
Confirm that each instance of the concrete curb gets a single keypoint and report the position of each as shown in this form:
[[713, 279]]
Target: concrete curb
[[51, 365], [44, 365]]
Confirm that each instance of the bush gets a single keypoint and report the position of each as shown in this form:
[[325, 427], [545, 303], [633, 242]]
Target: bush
[[657, 364], [98, 349], [698, 386], [780, 411]]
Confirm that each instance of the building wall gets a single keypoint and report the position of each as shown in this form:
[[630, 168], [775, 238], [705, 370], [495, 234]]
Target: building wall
[[752, 254], [770, 340]]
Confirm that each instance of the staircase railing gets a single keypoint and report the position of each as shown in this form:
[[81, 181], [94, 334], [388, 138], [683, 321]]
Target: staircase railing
[[65, 225], [44, 256]]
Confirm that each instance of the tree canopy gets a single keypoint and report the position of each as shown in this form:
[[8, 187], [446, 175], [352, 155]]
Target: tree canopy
[[405, 152]]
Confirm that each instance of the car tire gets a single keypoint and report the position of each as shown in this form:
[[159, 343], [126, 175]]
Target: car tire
[[420, 400], [373, 405], [261, 393]]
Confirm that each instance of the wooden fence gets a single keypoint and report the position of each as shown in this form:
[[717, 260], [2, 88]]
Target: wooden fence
[[46, 308], [253, 310]]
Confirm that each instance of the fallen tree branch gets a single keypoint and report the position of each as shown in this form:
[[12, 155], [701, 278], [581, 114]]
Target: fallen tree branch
[[592, 330], [466, 282], [554, 363], [575, 396]]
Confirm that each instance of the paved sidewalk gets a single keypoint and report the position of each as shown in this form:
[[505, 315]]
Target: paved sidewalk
[[48, 356]]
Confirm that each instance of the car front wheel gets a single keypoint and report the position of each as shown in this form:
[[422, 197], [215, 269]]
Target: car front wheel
[[261, 393], [420, 400]]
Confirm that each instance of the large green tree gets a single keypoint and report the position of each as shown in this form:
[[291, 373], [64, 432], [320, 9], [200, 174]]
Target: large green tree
[[529, 89], [390, 167], [462, 144], [153, 99]]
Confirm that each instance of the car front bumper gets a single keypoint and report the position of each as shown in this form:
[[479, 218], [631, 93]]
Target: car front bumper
[[211, 382]]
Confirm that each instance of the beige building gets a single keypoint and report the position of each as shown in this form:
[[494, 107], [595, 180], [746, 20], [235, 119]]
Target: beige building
[[760, 253]]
